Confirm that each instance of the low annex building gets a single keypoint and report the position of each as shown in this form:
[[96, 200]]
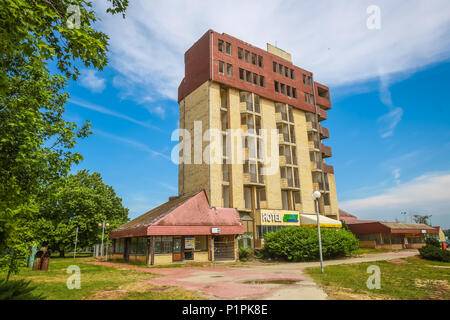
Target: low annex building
[[184, 228], [390, 235]]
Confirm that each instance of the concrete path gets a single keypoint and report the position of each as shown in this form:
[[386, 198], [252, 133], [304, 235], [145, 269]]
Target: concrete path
[[284, 281]]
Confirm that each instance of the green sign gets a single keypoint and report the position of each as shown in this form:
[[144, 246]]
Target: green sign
[[290, 218]]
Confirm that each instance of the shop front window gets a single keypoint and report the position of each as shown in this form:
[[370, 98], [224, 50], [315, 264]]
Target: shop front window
[[201, 243], [163, 244]]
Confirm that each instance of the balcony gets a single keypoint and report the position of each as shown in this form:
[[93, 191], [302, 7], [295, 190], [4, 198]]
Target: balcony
[[318, 186], [315, 166], [322, 114], [326, 150], [328, 169], [313, 145], [324, 102], [324, 132], [253, 179]]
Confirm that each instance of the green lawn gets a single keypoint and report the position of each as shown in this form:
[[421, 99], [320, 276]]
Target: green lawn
[[371, 251], [418, 279], [98, 282]]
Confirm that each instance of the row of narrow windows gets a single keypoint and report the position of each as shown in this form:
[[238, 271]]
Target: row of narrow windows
[[283, 70], [285, 89], [252, 77]]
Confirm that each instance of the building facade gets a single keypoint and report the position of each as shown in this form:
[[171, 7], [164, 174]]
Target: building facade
[[232, 98]]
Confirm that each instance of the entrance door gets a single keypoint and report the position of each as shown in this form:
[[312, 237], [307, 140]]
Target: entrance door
[[177, 249], [224, 248]]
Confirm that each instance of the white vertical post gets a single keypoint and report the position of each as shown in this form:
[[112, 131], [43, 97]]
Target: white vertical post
[[320, 238], [103, 234], [76, 240]]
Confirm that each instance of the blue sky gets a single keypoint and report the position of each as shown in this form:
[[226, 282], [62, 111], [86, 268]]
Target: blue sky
[[389, 122]]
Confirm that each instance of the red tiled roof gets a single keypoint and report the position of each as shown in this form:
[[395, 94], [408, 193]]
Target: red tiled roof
[[185, 215]]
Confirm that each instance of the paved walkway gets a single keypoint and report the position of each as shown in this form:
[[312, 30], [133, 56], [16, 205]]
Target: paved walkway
[[284, 281]]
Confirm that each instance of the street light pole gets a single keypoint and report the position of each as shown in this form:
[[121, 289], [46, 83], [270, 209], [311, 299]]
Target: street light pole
[[76, 240], [316, 195]]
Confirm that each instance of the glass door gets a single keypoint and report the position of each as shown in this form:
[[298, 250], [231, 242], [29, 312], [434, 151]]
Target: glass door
[[177, 249]]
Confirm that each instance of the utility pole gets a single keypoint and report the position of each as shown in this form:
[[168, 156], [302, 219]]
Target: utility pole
[[316, 195]]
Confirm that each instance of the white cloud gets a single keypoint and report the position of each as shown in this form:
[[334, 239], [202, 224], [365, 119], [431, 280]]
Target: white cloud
[[133, 143], [327, 37], [158, 110], [427, 194], [89, 79], [101, 109], [389, 121], [396, 175]]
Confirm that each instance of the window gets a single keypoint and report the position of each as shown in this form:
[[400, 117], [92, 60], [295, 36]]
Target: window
[[283, 88], [201, 243], [285, 199], [255, 78], [226, 196], [280, 69], [248, 76], [119, 245], [241, 73], [262, 82], [163, 244], [294, 93], [138, 245], [309, 98], [288, 91], [260, 61], [240, 53], [248, 197], [223, 98], [221, 67], [297, 197], [229, 69], [247, 56], [286, 71], [326, 199], [307, 80], [224, 120], [225, 172], [292, 74], [275, 67], [276, 86], [220, 44], [254, 59], [228, 48]]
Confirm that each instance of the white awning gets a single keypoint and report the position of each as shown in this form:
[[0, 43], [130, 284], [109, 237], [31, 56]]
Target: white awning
[[311, 220]]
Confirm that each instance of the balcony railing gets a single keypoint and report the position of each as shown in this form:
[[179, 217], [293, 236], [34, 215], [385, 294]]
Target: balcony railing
[[324, 132], [323, 102], [328, 169], [326, 151]]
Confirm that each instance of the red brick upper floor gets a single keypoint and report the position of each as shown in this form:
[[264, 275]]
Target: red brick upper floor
[[235, 63]]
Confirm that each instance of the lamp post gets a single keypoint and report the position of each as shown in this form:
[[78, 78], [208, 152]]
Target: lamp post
[[316, 195], [103, 234]]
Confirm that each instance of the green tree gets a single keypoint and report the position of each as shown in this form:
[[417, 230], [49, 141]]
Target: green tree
[[81, 200], [35, 140], [424, 219]]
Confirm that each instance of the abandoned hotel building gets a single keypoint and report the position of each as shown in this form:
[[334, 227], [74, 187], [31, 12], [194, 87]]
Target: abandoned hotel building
[[232, 86]]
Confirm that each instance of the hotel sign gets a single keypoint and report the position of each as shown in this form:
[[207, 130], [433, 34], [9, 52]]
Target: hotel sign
[[279, 217]]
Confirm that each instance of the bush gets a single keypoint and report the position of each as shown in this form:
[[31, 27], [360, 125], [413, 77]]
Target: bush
[[431, 252], [244, 253], [18, 290], [432, 241], [301, 243]]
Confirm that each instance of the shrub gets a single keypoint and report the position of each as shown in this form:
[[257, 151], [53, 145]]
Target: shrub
[[18, 290], [244, 253], [431, 252], [432, 241], [301, 243]]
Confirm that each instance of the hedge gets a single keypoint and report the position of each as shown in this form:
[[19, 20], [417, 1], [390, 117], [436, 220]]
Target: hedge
[[301, 243]]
